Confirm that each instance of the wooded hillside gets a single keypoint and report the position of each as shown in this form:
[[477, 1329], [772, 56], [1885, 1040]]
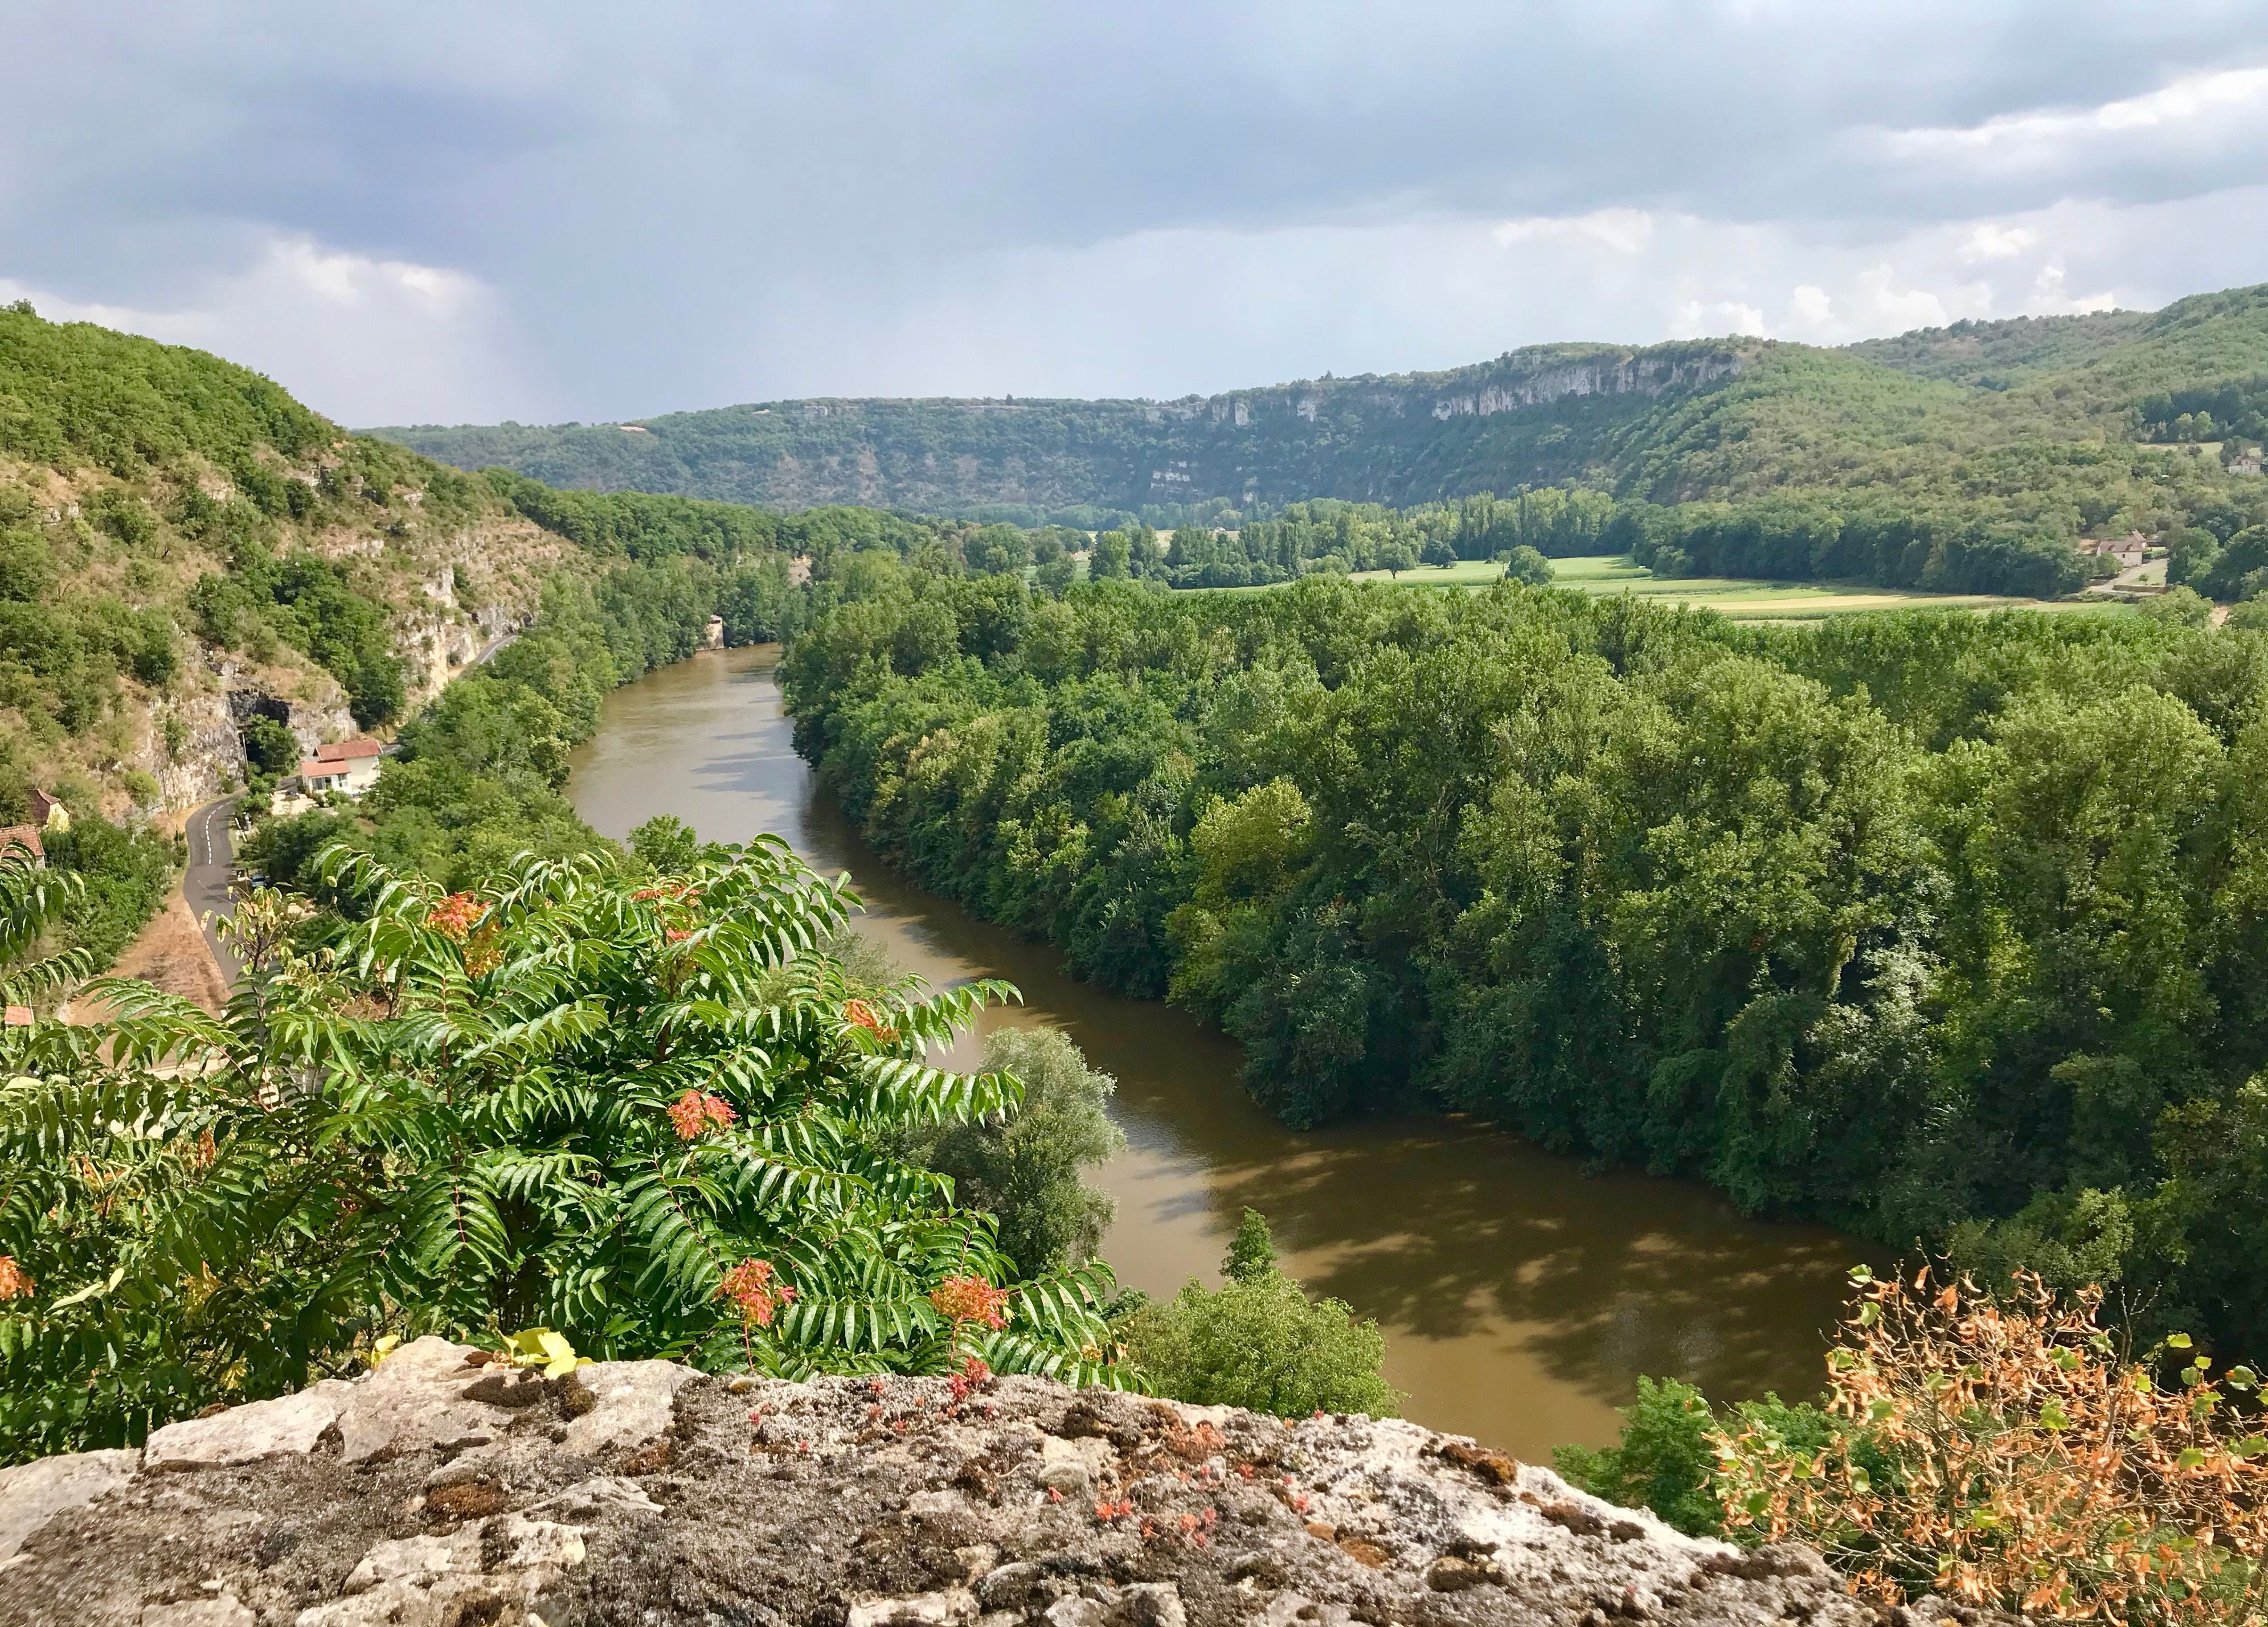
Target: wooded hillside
[[1996, 413]]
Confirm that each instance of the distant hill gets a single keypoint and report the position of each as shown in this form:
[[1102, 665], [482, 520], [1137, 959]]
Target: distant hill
[[1993, 354], [202, 580], [1694, 420]]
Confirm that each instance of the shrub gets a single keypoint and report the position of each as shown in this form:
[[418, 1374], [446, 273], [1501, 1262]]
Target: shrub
[[1666, 1460], [127, 519], [1260, 1341], [27, 567], [2008, 1452], [644, 1113]]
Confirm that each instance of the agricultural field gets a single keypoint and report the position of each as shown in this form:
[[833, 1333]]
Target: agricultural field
[[1743, 600]]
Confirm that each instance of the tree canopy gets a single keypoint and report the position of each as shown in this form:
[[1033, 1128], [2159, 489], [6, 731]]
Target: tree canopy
[[1928, 923]]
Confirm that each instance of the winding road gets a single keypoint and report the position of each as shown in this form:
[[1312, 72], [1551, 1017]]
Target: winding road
[[212, 856], [204, 884]]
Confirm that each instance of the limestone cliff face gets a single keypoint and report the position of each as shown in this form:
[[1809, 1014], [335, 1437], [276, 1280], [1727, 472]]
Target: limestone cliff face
[[1542, 413], [1538, 375], [440, 1491]]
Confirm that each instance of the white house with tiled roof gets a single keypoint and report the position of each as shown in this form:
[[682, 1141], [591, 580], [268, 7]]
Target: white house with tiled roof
[[348, 766]]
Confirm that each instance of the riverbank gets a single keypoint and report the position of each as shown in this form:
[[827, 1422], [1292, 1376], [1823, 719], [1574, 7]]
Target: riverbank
[[1521, 1295]]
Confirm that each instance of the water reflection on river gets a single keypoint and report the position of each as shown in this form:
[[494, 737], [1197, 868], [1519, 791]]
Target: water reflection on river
[[1521, 1295]]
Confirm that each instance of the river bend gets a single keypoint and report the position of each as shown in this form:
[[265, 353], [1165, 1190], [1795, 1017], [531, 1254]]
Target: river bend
[[1521, 1295]]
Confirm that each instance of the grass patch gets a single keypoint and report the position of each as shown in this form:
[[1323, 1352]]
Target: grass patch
[[1743, 600]]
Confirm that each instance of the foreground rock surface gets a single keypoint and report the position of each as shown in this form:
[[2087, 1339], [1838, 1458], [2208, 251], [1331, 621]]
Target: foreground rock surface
[[443, 1492]]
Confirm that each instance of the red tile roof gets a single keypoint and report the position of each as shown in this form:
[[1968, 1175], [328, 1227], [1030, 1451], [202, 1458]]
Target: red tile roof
[[25, 837], [19, 1017], [342, 751]]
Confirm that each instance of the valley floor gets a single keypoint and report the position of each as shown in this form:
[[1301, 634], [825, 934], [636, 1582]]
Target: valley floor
[[1743, 600]]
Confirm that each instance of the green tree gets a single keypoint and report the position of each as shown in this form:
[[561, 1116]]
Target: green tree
[[667, 842], [1920, 923], [1665, 1459], [27, 566], [644, 1114], [1525, 565], [270, 747], [1260, 1341], [2191, 556], [1145, 556], [123, 875], [998, 550], [1025, 1167], [1055, 577], [1110, 556], [2184, 607], [1252, 1252]]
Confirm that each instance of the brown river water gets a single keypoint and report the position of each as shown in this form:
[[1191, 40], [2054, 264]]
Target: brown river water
[[1522, 1297]]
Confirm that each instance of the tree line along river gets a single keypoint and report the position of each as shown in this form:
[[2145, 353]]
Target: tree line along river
[[1521, 1295]]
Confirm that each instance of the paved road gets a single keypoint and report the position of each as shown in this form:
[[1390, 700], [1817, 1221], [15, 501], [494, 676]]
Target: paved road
[[212, 864], [492, 646], [212, 857]]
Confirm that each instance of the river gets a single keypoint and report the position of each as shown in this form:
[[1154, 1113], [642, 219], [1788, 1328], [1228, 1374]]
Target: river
[[1521, 1295]]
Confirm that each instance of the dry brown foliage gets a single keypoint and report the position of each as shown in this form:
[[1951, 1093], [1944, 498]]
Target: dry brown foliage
[[2009, 1454]]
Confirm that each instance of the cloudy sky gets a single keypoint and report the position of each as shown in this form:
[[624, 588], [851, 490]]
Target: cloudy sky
[[466, 211]]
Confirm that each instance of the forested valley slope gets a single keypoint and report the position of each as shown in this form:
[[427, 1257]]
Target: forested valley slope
[[201, 580]]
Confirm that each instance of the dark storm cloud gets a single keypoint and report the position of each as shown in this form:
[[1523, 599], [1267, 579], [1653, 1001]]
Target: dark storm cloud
[[665, 205]]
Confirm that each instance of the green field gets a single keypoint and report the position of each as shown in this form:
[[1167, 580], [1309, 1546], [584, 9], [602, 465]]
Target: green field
[[1743, 601]]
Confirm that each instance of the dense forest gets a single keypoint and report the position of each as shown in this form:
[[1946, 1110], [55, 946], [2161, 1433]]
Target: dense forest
[[1930, 924], [1997, 444], [1857, 537]]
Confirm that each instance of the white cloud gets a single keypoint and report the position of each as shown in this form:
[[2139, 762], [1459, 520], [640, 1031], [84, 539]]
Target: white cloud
[[2050, 299], [621, 197], [362, 340], [1697, 319], [2217, 119], [372, 339], [1898, 310], [357, 281], [1624, 231], [1989, 241]]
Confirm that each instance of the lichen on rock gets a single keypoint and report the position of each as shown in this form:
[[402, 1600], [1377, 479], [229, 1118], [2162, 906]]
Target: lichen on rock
[[447, 1491]]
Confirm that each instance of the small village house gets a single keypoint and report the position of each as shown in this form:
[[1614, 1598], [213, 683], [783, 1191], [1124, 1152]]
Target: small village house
[[2125, 552], [346, 766], [48, 811]]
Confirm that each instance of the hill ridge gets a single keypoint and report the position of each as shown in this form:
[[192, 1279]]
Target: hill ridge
[[1677, 421]]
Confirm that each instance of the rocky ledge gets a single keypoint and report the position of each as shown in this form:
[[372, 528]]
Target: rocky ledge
[[442, 1491]]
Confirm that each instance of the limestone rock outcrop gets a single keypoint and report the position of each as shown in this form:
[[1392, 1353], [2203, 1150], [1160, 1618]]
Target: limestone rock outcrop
[[442, 1491]]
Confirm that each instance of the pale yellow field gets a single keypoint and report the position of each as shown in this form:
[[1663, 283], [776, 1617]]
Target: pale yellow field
[[1744, 600]]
